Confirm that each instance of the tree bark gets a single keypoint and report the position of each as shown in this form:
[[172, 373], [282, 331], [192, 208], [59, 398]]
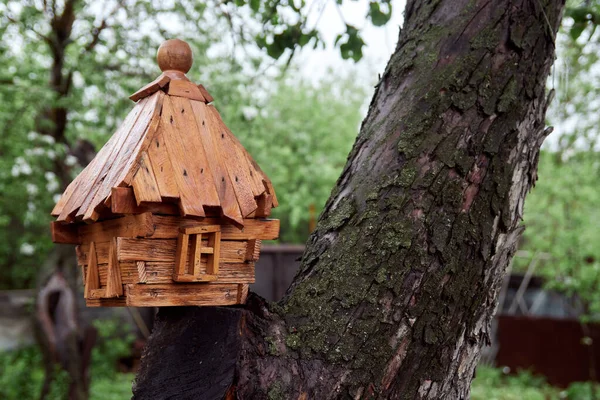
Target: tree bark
[[399, 282]]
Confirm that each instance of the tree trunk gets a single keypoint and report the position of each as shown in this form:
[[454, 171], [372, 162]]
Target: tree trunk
[[399, 282]]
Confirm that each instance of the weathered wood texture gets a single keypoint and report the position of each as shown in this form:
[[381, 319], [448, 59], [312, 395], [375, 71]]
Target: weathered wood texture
[[180, 326], [399, 281], [172, 294], [147, 225], [172, 147]]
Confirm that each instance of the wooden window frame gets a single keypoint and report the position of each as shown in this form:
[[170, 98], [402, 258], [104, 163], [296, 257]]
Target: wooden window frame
[[191, 237]]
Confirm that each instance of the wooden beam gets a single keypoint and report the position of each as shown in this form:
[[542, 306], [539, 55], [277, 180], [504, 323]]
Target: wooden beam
[[187, 89], [242, 295], [200, 229], [264, 202], [92, 278], [114, 302], [151, 88], [189, 278], [123, 202], [181, 255], [144, 183], [142, 274], [114, 285], [142, 249], [205, 94], [140, 225], [64, 233], [181, 294], [195, 253], [212, 264], [252, 250], [162, 272], [167, 227]]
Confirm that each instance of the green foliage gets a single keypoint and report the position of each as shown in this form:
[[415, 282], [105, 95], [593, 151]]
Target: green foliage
[[493, 384], [117, 387], [22, 375], [576, 78], [351, 43], [285, 25], [300, 135], [582, 391], [22, 371], [380, 13], [561, 212], [115, 341], [585, 16], [561, 216]]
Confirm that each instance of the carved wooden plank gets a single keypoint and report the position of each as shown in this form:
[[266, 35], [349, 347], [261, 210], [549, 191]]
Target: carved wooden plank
[[195, 278], [151, 88], [121, 165], [212, 147], [133, 249], [167, 227], [252, 250], [247, 173], [185, 89], [194, 258], [212, 263], [144, 184], [237, 169], [140, 225], [92, 278], [191, 170], [269, 186], [163, 170], [162, 272], [192, 230], [64, 233], [86, 183], [129, 272], [142, 275], [194, 294], [97, 174], [181, 255], [265, 202], [123, 202], [126, 177], [83, 253], [242, 293], [99, 293], [114, 302], [207, 96], [114, 285]]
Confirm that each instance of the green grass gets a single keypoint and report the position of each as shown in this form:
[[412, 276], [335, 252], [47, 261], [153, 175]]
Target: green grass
[[116, 388], [493, 384]]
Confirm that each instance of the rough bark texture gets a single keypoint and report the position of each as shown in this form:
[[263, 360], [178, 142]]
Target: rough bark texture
[[398, 285]]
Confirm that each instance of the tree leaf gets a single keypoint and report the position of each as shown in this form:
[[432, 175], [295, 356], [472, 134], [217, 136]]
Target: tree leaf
[[378, 16]]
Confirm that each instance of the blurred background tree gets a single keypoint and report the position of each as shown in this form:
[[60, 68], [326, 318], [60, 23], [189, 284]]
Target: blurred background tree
[[562, 214]]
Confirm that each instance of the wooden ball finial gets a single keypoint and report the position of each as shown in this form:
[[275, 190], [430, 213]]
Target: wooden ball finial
[[174, 54]]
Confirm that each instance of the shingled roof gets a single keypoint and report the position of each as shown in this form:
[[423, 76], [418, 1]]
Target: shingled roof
[[172, 147]]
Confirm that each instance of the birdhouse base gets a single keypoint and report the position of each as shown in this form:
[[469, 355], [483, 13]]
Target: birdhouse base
[[175, 294]]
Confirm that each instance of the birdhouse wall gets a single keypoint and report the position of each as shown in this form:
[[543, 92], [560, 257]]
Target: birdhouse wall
[[142, 260], [158, 256]]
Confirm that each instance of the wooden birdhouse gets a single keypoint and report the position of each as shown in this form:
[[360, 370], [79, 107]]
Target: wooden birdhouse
[[172, 209]]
